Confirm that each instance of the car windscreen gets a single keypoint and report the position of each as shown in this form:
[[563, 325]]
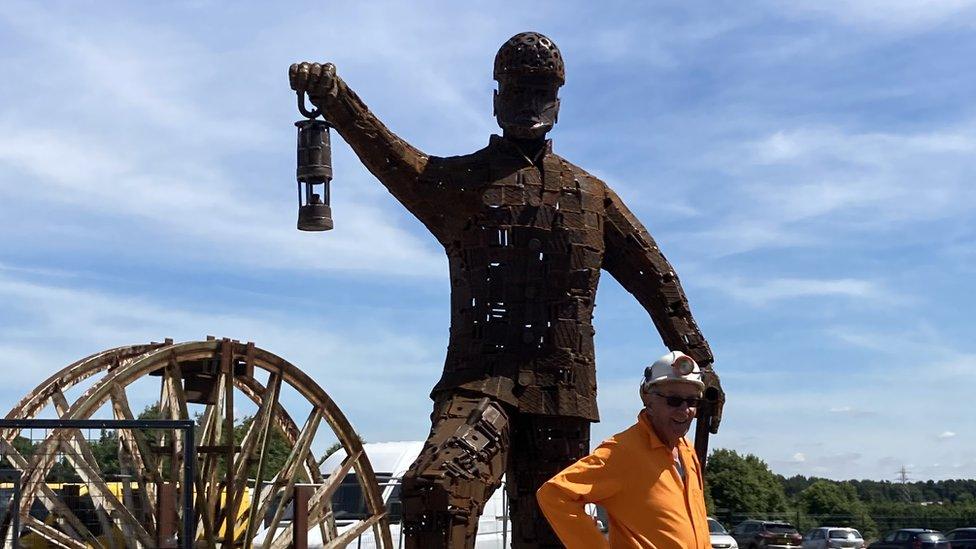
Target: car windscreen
[[930, 536], [780, 528], [714, 527], [844, 534]]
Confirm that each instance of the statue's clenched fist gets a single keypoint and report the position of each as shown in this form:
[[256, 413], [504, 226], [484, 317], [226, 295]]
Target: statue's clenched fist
[[316, 79]]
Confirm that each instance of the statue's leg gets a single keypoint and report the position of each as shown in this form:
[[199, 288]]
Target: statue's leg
[[460, 466], [541, 447]]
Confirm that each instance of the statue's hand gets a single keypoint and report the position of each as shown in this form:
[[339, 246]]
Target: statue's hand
[[317, 79]]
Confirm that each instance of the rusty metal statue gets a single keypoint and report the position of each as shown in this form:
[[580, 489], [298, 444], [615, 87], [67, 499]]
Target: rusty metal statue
[[526, 233]]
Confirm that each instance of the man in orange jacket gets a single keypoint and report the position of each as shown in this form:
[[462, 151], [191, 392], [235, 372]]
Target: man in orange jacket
[[648, 477]]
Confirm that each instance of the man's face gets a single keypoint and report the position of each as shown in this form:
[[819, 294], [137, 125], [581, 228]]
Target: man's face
[[527, 107], [672, 422]]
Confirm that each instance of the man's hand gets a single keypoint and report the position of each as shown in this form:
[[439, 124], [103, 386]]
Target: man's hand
[[317, 79]]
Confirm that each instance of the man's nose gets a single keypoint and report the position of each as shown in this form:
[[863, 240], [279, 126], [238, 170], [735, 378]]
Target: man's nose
[[537, 102]]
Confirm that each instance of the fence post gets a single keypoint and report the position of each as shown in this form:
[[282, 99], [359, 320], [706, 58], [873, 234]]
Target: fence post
[[299, 521], [166, 516], [13, 510]]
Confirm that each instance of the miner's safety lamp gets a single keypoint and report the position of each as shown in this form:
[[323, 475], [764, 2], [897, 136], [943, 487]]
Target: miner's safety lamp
[[314, 171]]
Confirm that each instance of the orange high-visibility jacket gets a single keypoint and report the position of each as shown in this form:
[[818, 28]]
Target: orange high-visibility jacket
[[632, 475]]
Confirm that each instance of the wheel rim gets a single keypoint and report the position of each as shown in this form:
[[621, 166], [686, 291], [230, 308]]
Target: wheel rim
[[122, 366]]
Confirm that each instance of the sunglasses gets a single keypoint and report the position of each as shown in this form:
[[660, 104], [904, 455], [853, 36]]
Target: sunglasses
[[675, 401]]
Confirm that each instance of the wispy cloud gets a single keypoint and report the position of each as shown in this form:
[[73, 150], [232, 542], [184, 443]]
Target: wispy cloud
[[760, 293], [946, 434], [154, 152], [341, 357], [900, 15], [803, 186]]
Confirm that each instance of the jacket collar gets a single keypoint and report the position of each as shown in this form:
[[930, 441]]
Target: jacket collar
[[499, 143]]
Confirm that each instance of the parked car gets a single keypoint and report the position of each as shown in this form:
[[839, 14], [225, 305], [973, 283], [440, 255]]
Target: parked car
[[829, 537], [765, 534], [962, 538], [720, 537], [912, 538]]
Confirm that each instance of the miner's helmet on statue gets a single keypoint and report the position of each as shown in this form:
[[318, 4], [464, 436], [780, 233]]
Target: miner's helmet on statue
[[529, 70], [674, 367]]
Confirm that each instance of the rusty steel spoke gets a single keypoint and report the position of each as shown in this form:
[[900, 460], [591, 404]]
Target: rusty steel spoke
[[317, 507], [78, 452], [53, 535], [141, 460], [288, 473], [257, 433], [48, 498]]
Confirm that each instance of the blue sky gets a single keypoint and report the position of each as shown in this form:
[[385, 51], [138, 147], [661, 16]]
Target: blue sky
[[807, 166]]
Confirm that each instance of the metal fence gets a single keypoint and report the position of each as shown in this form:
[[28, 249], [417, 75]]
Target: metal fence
[[101, 483], [871, 525]]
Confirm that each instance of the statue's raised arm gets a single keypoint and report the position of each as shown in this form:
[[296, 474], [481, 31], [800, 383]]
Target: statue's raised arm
[[393, 161]]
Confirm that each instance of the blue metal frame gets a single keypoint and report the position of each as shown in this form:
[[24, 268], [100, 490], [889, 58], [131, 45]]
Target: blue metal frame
[[189, 450]]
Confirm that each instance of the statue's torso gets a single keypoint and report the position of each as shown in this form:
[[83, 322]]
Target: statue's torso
[[525, 246]]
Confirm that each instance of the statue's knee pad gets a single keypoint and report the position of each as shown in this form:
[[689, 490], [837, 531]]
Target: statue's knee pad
[[450, 481], [426, 505]]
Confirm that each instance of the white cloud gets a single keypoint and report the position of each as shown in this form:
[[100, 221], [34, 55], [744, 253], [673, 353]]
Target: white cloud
[[804, 186], [759, 293], [921, 341], [886, 14], [946, 434], [799, 457], [58, 325], [201, 211]]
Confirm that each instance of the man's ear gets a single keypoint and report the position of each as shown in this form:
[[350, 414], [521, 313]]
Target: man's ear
[[646, 399], [494, 103]]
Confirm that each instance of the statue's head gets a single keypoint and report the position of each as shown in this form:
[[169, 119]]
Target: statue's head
[[529, 70]]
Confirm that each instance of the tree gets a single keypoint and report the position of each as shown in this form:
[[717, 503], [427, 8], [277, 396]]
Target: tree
[[276, 449], [834, 503], [742, 484], [335, 447]]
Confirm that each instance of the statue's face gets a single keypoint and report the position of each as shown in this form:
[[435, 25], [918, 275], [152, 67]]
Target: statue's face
[[527, 107]]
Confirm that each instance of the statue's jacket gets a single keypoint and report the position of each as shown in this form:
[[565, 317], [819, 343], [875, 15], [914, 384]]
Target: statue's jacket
[[525, 239]]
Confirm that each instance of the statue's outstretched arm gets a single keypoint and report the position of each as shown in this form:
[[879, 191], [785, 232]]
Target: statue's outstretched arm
[[633, 259], [392, 160]]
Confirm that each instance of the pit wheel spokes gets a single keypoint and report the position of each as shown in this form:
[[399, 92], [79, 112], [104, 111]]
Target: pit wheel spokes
[[229, 504]]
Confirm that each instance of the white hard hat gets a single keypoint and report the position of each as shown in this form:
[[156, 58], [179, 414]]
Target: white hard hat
[[674, 367]]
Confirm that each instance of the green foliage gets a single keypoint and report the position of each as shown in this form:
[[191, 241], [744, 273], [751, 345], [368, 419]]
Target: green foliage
[[277, 449], [24, 447], [742, 484], [335, 447], [836, 503], [106, 451]]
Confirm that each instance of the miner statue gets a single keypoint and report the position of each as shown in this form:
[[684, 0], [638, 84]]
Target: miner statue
[[526, 233]]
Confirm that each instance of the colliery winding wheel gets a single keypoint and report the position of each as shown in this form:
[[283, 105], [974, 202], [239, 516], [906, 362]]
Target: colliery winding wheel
[[210, 379]]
